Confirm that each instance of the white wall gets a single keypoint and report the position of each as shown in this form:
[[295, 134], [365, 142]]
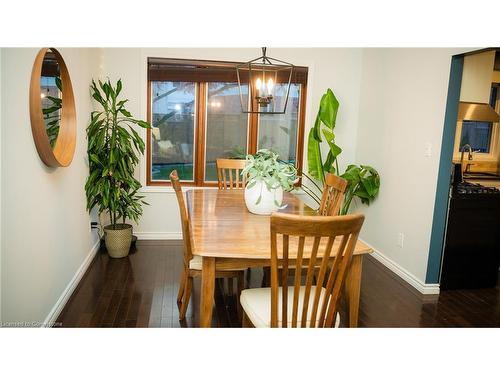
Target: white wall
[[45, 228], [338, 69], [402, 106], [1, 209]]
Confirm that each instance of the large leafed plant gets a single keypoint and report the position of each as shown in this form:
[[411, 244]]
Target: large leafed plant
[[363, 181], [113, 149]]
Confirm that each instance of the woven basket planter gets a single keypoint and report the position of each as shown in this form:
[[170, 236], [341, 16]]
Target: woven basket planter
[[118, 239]]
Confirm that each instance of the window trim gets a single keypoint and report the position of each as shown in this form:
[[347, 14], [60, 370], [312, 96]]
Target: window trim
[[199, 147]]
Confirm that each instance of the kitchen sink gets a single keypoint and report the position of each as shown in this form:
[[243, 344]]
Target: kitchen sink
[[481, 176]]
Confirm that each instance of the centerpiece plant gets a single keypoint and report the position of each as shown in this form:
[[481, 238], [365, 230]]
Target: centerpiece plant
[[114, 147], [267, 178], [363, 180]]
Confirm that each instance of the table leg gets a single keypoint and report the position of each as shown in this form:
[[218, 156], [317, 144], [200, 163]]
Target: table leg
[[353, 289], [207, 291]]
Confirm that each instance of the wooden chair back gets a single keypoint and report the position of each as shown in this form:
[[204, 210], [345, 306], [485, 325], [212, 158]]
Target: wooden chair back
[[229, 173], [186, 231], [333, 194], [312, 239]]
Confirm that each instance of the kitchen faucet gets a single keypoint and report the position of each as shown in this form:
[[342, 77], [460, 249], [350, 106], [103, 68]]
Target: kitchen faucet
[[468, 146]]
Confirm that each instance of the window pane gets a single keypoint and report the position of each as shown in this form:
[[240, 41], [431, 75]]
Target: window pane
[[477, 134], [279, 132], [51, 104], [172, 133], [226, 132]]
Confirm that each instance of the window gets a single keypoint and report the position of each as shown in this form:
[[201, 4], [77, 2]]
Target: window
[[482, 136], [173, 130], [477, 134], [196, 117], [226, 126], [279, 132]]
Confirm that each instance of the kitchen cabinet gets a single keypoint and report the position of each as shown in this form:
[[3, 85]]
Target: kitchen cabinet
[[477, 77]]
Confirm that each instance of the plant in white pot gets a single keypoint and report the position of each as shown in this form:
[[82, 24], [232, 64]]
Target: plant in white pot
[[113, 148], [267, 178]]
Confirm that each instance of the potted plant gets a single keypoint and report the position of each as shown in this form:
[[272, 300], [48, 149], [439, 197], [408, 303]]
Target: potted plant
[[267, 178], [113, 148], [363, 180]]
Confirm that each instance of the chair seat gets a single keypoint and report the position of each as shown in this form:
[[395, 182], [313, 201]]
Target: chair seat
[[196, 263], [257, 305]]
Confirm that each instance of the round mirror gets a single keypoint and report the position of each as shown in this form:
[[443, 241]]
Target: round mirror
[[52, 109]]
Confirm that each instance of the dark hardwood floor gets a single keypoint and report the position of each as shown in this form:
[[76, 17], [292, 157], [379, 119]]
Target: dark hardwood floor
[[140, 291]]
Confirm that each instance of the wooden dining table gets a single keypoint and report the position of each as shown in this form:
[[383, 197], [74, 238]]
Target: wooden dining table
[[227, 236]]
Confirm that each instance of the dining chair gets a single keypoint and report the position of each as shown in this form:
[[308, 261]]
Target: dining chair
[[331, 201], [304, 241], [192, 264], [226, 170], [333, 194]]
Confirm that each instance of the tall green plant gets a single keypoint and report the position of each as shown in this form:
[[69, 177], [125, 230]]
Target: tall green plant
[[324, 124], [113, 149], [363, 181]]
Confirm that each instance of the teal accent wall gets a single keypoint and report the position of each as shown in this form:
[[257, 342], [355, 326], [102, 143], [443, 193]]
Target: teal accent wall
[[444, 173]]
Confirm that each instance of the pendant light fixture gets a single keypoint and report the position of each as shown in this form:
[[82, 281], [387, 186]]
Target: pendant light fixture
[[264, 85]]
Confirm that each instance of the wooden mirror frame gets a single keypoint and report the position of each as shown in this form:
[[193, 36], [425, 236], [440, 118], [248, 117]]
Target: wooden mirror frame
[[64, 149]]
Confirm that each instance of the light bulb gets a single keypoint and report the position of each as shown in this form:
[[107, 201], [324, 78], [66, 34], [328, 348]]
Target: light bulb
[[270, 85], [258, 84], [178, 107], [42, 95]]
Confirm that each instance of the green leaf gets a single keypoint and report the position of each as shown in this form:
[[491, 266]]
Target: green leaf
[[59, 83], [143, 124], [121, 103], [328, 166], [95, 159], [329, 136], [314, 162], [330, 139], [334, 149], [328, 109], [125, 113], [118, 87], [317, 128]]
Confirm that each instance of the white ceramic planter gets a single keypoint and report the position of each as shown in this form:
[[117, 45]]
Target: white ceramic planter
[[267, 204]]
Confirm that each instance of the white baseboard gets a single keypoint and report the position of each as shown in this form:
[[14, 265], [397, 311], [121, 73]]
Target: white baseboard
[[404, 274], [61, 302], [158, 235]]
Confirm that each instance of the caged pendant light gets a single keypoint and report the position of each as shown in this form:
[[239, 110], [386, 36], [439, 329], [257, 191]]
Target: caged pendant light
[[264, 85]]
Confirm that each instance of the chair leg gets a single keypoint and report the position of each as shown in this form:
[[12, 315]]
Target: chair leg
[[266, 278], [181, 286], [249, 275], [241, 286], [185, 299], [230, 286]]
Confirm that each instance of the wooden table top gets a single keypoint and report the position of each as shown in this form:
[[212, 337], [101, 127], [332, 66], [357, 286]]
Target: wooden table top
[[222, 226]]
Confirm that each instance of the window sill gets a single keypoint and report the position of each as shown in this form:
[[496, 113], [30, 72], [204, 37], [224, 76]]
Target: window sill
[[170, 190]]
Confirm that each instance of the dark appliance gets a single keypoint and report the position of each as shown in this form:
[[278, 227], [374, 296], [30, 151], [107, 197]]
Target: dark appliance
[[472, 244]]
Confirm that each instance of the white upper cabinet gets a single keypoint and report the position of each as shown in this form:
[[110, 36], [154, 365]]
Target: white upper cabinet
[[477, 77]]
